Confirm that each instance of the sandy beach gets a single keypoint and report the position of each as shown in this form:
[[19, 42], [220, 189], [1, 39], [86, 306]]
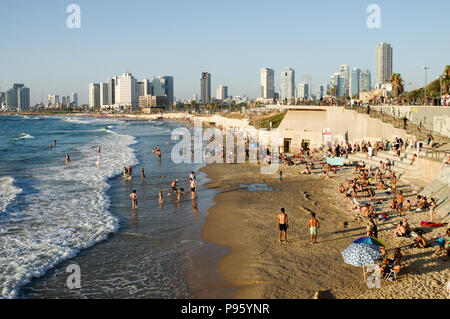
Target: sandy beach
[[245, 221]]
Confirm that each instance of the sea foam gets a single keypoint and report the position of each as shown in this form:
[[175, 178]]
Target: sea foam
[[68, 213]]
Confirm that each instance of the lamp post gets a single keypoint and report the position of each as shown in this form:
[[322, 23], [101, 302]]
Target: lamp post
[[426, 68]]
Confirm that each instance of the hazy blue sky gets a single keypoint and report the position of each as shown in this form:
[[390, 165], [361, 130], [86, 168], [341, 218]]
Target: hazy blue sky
[[232, 39]]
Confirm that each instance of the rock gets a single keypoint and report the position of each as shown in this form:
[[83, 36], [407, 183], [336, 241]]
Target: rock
[[323, 294]]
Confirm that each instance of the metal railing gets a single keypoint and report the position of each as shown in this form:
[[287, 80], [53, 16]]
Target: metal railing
[[434, 154]]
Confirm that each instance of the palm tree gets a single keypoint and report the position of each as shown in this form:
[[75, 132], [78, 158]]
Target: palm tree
[[333, 91], [446, 80], [397, 84]]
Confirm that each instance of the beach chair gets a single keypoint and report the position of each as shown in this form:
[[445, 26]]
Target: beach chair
[[393, 273]]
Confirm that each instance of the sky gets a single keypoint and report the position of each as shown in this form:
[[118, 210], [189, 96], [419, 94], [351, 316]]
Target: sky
[[231, 39]]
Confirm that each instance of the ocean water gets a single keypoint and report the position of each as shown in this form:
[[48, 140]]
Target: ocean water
[[53, 215]]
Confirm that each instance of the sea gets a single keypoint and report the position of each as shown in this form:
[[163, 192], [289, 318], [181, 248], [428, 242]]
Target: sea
[[54, 216]]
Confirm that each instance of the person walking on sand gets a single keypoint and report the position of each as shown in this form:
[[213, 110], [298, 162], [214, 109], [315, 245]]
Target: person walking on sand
[[134, 200], [313, 228], [399, 200], [282, 222]]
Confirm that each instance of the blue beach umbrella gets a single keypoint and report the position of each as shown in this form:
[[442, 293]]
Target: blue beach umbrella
[[362, 254], [370, 241]]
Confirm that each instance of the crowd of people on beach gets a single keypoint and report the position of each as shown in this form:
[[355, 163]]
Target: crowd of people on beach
[[368, 192]]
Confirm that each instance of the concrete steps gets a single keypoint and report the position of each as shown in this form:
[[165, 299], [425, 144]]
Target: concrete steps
[[399, 165]]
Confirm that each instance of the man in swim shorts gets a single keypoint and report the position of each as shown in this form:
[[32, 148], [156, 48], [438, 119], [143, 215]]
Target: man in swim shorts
[[282, 222], [313, 228]]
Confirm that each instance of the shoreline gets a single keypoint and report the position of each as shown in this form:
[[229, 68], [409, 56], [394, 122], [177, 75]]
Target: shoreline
[[260, 268]]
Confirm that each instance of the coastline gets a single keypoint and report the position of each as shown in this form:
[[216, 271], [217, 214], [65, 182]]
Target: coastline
[[245, 221]]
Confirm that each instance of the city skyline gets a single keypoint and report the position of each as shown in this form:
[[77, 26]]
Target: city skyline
[[93, 52]]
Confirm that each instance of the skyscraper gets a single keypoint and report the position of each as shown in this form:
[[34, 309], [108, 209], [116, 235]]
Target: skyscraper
[[104, 94], [94, 95], [303, 90], [354, 82], [18, 97], [345, 77], [365, 81], [267, 83], [337, 83], [162, 86], [126, 90], [112, 90], [287, 84], [205, 88], [74, 99], [222, 92], [384, 64]]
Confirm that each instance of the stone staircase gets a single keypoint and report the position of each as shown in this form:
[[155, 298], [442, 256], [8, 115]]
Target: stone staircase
[[399, 165]]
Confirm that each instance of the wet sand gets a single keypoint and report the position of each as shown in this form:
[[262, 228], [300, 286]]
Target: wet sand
[[245, 221]]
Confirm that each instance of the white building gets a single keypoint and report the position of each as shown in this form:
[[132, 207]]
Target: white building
[[345, 77], [94, 95], [287, 84], [383, 64], [126, 93], [303, 91], [104, 100], [267, 83], [53, 99], [222, 92]]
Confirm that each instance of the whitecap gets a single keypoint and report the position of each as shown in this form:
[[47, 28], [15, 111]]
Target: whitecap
[[69, 212], [8, 192]]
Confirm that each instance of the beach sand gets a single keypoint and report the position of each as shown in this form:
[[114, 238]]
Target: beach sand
[[245, 221]]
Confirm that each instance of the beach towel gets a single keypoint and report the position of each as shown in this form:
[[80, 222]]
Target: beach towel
[[431, 224], [335, 161]]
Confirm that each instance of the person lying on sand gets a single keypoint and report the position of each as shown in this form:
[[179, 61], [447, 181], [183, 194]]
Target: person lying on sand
[[307, 170]]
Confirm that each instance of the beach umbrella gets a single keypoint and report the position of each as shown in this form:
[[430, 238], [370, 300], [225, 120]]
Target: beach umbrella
[[361, 255], [370, 241]]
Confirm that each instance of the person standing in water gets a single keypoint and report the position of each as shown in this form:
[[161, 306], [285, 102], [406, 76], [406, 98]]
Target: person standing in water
[[143, 174], [193, 188], [134, 200], [67, 158]]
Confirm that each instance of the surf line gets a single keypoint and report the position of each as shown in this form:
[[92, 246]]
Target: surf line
[[137, 235]]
